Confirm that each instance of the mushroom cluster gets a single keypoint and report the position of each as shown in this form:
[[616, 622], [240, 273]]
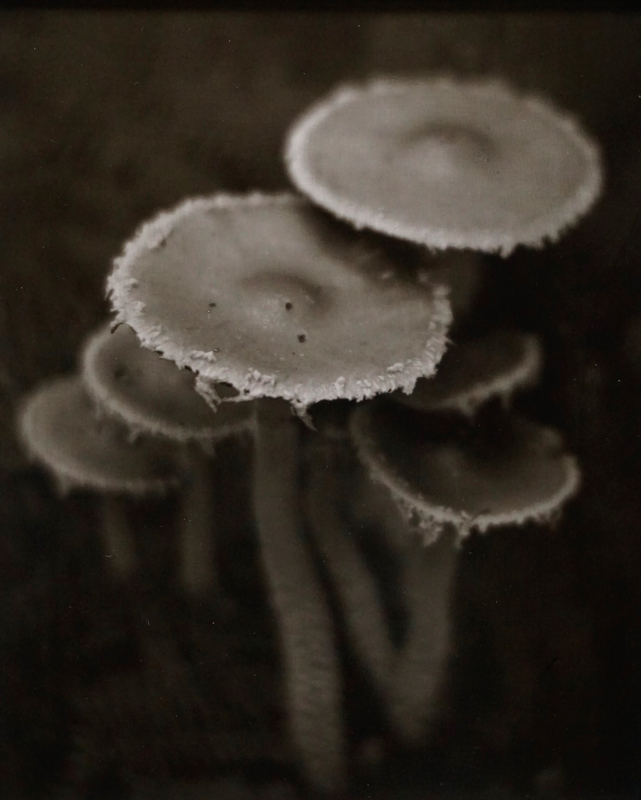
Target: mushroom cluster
[[265, 294], [448, 167], [320, 322], [131, 424]]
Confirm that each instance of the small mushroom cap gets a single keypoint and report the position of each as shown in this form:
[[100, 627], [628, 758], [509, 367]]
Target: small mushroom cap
[[150, 393], [473, 372], [446, 163], [60, 429], [266, 293], [507, 473]]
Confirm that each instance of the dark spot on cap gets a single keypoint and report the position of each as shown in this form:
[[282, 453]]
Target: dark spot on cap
[[289, 306], [301, 337], [212, 305], [120, 371]]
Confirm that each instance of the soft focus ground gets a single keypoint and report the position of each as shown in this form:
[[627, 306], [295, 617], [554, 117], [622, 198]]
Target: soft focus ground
[[103, 120]]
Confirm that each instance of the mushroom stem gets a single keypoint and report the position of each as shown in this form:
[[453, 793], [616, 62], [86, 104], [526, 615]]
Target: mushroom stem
[[407, 679], [312, 672], [197, 524], [356, 586], [116, 535], [419, 666]]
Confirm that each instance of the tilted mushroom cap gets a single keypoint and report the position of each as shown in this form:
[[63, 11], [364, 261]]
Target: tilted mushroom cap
[[267, 294], [59, 428], [466, 164], [507, 473], [150, 393], [474, 372]]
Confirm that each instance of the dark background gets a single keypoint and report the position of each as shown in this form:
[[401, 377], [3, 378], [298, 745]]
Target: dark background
[[106, 118]]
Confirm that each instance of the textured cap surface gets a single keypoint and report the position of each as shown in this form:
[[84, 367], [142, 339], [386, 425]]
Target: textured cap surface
[[473, 372], [447, 163], [150, 393], [268, 294], [508, 473], [60, 429]]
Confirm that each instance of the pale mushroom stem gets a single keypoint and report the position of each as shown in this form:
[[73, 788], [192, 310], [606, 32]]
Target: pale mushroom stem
[[197, 524], [116, 535], [408, 679], [312, 670], [353, 581], [419, 666]]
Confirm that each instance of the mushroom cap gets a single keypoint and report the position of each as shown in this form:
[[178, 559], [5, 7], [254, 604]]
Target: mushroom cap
[[268, 294], [60, 429], [475, 371], [510, 472], [150, 394], [446, 163]]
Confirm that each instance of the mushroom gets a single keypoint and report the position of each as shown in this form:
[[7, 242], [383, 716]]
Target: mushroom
[[297, 274], [334, 486], [472, 373], [445, 162], [507, 471], [467, 376], [60, 429], [152, 396], [269, 295]]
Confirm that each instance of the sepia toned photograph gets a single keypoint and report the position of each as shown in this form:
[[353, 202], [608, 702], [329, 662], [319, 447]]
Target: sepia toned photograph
[[320, 421]]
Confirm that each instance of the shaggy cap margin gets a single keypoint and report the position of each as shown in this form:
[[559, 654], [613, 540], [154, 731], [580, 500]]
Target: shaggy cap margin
[[249, 381], [500, 381], [547, 228], [139, 418], [432, 519]]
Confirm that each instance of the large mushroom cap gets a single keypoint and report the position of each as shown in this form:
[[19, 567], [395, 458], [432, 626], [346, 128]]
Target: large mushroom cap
[[473, 372], [507, 473], [271, 296], [60, 429], [150, 393], [466, 164]]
